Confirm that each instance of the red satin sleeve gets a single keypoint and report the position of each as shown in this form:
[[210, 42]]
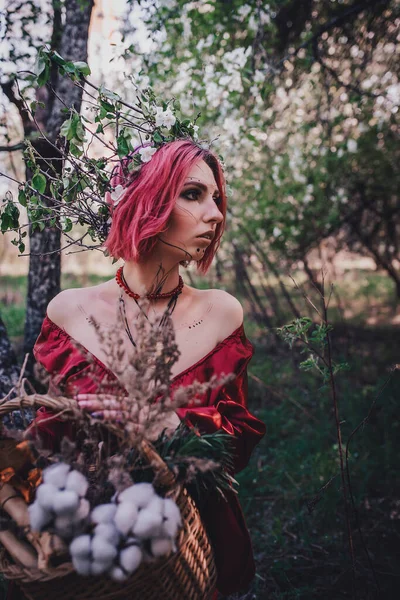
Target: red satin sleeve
[[75, 369], [225, 408]]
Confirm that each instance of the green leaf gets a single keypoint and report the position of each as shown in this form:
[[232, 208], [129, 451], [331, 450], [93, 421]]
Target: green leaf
[[5, 222], [79, 130], [109, 94], [82, 67], [67, 226], [66, 128], [57, 58], [122, 146], [21, 247], [22, 197], [157, 138], [39, 182], [107, 107], [75, 150], [43, 77], [42, 67]]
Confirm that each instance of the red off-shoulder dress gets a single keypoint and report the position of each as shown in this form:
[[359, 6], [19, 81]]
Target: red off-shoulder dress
[[222, 408]]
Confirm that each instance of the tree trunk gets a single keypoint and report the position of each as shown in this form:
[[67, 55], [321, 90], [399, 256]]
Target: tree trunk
[[45, 260]]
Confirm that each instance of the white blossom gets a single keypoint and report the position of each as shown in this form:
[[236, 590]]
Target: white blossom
[[393, 93], [159, 116], [146, 153], [254, 90], [169, 119], [116, 195], [276, 232], [244, 10], [351, 145]]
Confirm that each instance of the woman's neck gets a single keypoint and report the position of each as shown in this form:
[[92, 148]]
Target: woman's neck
[[151, 275]]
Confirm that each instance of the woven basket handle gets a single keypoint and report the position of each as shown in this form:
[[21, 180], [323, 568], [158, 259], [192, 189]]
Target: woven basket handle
[[59, 404], [68, 407], [164, 475]]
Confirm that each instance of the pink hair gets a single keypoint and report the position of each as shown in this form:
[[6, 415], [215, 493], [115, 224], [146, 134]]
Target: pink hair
[[146, 205]]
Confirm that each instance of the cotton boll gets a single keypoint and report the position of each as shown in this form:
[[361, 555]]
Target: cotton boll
[[81, 565], [65, 502], [117, 574], [103, 513], [45, 495], [102, 550], [125, 517], [171, 510], [82, 511], [77, 483], [38, 516], [97, 567], [80, 547], [148, 522], [130, 558], [139, 493], [156, 504], [64, 526], [56, 474], [172, 518], [109, 532], [161, 546]]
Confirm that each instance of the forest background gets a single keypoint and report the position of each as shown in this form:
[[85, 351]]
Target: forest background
[[301, 99]]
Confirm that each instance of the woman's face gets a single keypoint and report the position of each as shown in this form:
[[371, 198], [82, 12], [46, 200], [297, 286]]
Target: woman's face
[[196, 214]]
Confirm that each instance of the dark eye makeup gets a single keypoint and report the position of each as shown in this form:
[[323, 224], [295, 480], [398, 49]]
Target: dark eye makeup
[[192, 194], [195, 193]]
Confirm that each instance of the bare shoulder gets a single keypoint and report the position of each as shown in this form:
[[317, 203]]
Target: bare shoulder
[[66, 304], [228, 311]]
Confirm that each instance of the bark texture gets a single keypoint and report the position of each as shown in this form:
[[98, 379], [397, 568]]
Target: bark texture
[[73, 46], [45, 260]]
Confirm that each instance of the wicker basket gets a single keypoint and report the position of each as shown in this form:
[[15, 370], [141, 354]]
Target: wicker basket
[[189, 574]]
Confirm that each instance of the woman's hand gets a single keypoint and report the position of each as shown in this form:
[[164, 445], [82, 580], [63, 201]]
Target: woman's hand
[[117, 410], [104, 406]]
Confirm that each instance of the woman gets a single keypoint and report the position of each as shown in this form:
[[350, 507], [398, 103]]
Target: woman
[[171, 211]]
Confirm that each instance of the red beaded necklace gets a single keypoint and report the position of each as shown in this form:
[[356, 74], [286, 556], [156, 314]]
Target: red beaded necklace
[[120, 279]]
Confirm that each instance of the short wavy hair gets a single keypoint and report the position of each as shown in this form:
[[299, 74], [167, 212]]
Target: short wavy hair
[[145, 207]]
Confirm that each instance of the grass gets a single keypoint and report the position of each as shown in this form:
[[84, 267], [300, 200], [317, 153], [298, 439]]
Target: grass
[[302, 553]]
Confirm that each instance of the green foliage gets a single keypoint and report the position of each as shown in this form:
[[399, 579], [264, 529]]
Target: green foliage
[[305, 119], [295, 520], [14, 320], [70, 189]]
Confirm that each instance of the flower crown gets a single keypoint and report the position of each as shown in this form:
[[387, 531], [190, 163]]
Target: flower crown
[[160, 124], [85, 192]]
